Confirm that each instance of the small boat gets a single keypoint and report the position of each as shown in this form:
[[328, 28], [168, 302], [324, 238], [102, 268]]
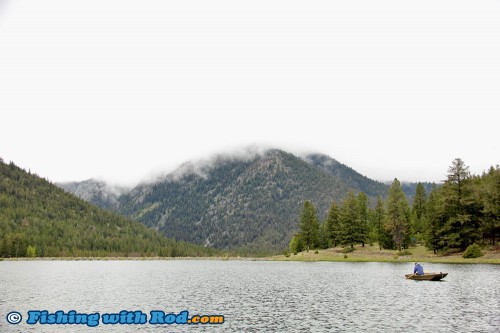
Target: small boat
[[427, 276]]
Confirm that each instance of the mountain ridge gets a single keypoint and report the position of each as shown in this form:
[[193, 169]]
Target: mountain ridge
[[38, 218], [249, 201]]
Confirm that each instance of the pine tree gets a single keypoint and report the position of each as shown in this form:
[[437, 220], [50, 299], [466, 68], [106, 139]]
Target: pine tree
[[362, 228], [333, 225], [398, 219], [349, 220], [461, 207], [323, 236], [309, 227], [383, 237], [6, 247], [419, 200], [490, 194], [458, 175], [434, 219], [418, 210]]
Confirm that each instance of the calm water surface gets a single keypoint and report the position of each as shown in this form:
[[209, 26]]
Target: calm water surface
[[256, 296]]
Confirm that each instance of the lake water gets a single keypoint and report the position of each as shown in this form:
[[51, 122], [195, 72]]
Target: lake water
[[255, 296]]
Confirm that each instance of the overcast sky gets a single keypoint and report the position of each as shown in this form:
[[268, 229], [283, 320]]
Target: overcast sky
[[120, 89]]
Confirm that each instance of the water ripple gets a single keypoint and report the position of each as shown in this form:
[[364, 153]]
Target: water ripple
[[257, 296]]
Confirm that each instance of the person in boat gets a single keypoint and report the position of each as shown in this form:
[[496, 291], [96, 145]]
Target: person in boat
[[419, 270]]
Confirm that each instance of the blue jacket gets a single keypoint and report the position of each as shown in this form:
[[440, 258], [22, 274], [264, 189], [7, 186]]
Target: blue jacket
[[419, 270]]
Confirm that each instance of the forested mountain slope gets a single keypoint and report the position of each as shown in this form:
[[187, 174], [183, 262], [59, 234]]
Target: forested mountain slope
[[38, 218], [230, 203]]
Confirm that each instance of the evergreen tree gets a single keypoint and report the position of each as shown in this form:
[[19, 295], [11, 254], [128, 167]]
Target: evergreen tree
[[418, 210], [349, 220], [398, 219], [419, 200], [384, 238], [461, 207], [323, 236], [490, 196], [434, 219], [6, 247], [309, 227], [457, 179], [362, 229], [333, 225]]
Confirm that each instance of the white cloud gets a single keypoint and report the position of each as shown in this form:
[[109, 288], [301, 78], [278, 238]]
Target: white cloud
[[116, 89]]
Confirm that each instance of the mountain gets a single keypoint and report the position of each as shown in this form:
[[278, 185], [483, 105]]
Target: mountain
[[409, 188], [37, 218], [355, 180], [359, 182], [251, 202], [96, 191], [230, 203]]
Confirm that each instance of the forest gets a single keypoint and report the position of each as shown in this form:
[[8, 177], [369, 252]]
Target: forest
[[38, 219], [462, 211], [246, 205]]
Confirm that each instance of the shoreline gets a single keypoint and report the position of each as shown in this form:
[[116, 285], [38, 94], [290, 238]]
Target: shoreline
[[374, 254], [360, 254]]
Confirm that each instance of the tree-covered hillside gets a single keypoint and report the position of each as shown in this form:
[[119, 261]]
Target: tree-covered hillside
[[463, 212], [38, 218], [248, 202], [231, 203]]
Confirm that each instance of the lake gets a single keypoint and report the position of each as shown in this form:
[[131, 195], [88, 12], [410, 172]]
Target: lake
[[255, 296]]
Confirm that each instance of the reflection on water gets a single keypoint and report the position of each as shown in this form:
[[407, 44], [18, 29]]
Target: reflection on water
[[256, 296]]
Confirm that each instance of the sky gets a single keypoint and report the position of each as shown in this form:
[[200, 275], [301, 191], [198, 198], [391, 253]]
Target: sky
[[120, 90]]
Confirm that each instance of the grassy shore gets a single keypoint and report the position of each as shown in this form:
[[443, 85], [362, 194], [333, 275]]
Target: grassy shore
[[373, 253], [360, 254]]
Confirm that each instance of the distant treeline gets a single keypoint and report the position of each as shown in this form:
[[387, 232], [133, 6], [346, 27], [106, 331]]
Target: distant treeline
[[38, 219], [462, 211]]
